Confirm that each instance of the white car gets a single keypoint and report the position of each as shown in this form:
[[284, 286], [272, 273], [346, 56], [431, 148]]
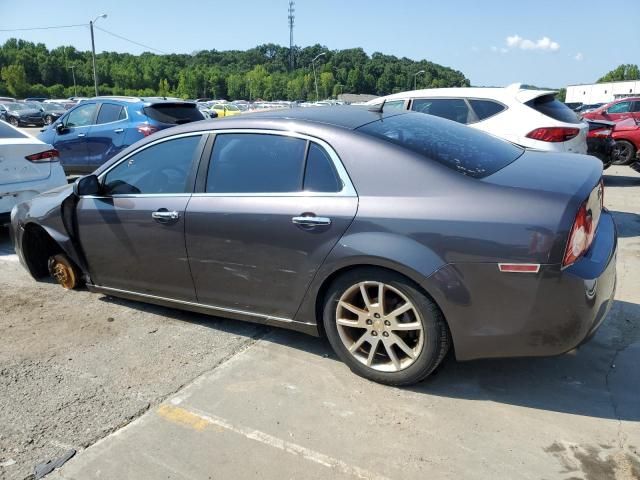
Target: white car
[[28, 167], [530, 118]]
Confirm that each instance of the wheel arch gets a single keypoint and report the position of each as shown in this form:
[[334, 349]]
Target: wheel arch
[[38, 245], [372, 263]]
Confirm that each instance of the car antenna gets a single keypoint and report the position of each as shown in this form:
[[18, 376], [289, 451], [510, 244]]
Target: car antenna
[[378, 108]]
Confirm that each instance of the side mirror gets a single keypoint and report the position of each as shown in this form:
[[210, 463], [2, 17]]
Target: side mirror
[[60, 128], [88, 185]]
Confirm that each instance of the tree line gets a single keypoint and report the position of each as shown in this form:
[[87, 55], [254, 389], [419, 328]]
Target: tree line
[[30, 69]]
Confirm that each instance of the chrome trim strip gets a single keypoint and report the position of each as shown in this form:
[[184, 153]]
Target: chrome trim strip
[[199, 305], [348, 189]]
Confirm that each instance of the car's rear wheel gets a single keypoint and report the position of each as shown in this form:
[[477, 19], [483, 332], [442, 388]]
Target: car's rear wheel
[[383, 327], [623, 153], [14, 121]]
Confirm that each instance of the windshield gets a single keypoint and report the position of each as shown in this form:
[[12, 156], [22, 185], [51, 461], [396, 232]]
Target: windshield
[[50, 107], [458, 147], [16, 106]]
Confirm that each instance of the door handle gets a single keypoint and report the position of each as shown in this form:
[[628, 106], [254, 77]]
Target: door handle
[[165, 216], [119, 130], [311, 221], [81, 134]]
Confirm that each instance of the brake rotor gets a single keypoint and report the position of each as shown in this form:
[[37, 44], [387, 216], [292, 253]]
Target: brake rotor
[[63, 271]]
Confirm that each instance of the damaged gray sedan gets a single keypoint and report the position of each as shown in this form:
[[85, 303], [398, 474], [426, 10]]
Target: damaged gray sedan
[[396, 235]]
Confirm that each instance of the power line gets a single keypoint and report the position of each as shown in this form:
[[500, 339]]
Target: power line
[[129, 40], [42, 28]]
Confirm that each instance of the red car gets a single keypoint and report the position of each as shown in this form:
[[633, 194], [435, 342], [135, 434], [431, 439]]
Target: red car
[[617, 110], [627, 136]]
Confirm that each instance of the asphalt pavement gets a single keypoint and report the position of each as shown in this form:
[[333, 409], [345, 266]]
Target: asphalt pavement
[[271, 404]]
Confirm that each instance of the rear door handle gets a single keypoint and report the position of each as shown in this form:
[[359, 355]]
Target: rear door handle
[[81, 134], [311, 221], [119, 130], [163, 215]]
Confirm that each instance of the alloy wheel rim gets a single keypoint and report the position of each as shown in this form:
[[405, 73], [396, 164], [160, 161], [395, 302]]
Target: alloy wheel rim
[[379, 326], [622, 153]]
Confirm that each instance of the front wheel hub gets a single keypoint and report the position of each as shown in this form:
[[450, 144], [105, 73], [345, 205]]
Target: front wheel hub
[[63, 271]]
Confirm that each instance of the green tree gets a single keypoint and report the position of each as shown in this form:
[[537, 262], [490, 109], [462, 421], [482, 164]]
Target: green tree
[[16, 80], [621, 73]]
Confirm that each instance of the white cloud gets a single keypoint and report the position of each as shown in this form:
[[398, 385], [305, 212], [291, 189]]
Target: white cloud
[[579, 56], [544, 43]]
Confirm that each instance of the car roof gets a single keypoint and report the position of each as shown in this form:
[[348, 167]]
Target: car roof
[[504, 94], [145, 100], [344, 116]]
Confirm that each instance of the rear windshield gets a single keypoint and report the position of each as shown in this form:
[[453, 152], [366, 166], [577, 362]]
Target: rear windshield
[[549, 106], [7, 132], [174, 113], [458, 147]]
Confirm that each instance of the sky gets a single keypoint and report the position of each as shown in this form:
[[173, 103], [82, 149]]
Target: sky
[[493, 43]]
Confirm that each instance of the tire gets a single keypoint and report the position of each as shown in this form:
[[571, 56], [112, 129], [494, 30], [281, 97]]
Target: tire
[[14, 121], [422, 327], [48, 120], [623, 153]]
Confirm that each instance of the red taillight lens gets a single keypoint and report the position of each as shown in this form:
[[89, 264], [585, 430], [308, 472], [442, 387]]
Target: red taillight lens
[[581, 236], [147, 130], [46, 156], [553, 134]]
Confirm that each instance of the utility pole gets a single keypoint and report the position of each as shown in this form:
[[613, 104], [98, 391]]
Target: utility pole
[[415, 78], [315, 79], [93, 50], [73, 73], [291, 24]]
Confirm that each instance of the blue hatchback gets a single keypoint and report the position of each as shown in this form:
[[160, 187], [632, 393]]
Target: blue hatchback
[[97, 129]]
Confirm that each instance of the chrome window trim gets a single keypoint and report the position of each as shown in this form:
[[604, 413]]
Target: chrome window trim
[[348, 189]]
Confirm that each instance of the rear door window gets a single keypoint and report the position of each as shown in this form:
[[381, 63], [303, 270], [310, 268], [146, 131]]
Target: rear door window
[[463, 149], [455, 109], [256, 163], [394, 104], [174, 113], [486, 108], [549, 106], [109, 112], [320, 174]]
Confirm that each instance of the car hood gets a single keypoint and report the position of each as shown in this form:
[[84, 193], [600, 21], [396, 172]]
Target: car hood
[[25, 113]]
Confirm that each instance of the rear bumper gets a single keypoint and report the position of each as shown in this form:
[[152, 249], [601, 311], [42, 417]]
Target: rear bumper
[[493, 314]]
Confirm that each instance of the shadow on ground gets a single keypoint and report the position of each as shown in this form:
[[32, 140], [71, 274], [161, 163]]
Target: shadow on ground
[[575, 383], [621, 181], [628, 224]]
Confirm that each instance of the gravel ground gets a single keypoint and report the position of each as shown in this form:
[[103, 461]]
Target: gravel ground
[[76, 366]]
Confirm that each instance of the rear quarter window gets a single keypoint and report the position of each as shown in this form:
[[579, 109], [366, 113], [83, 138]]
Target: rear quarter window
[[458, 147], [486, 108], [549, 106], [173, 113]]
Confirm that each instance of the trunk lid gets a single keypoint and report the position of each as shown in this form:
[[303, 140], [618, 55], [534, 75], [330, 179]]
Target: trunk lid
[[15, 168], [564, 174]]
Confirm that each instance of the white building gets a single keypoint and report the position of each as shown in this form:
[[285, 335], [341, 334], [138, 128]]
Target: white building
[[602, 92]]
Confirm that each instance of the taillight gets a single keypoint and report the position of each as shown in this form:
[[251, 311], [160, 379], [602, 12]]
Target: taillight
[[584, 227], [147, 130], [605, 132], [46, 156], [553, 134]]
